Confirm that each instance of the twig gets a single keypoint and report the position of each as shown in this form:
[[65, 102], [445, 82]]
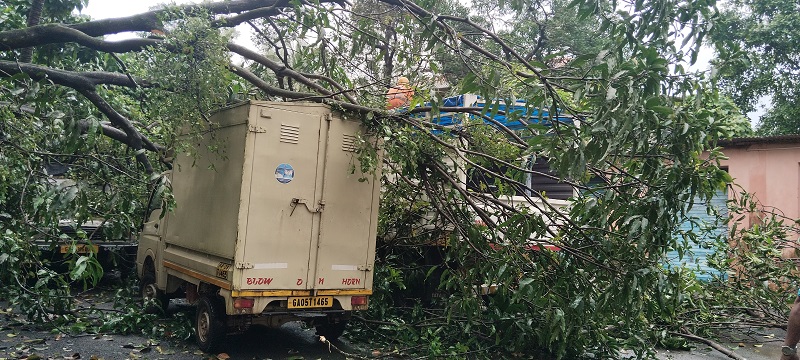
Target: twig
[[376, 322], [323, 340]]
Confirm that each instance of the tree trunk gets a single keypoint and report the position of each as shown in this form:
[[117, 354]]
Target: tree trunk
[[388, 61], [34, 16]]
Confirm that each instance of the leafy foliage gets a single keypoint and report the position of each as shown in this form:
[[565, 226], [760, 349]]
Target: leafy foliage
[[758, 283], [45, 127], [758, 58], [628, 131]]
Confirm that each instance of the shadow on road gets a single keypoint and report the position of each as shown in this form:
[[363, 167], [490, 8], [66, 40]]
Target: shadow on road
[[288, 341]]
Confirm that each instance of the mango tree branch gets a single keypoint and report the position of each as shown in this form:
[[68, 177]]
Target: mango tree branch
[[85, 84], [145, 22], [278, 69], [153, 19], [266, 87], [274, 91], [72, 79], [58, 33], [341, 89], [105, 129], [134, 139], [250, 15], [710, 343], [438, 202], [439, 20]]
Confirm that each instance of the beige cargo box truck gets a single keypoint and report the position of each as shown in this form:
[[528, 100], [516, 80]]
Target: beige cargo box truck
[[271, 226]]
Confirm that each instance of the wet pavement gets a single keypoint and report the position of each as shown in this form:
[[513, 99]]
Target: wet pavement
[[757, 344], [289, 342], [766, 351], [20, 339]]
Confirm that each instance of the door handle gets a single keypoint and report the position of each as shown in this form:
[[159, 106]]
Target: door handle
[[296, 201]]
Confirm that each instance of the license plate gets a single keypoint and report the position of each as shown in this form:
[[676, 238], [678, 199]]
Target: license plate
[[80, 249], [307, 302]]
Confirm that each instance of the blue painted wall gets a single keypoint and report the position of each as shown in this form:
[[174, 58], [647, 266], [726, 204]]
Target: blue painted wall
[[696, 258]]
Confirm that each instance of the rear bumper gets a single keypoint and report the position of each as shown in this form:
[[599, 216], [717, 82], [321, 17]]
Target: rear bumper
[[276, 302]]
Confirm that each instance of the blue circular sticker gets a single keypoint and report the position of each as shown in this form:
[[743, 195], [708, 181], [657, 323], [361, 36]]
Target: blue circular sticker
[[284, 173]]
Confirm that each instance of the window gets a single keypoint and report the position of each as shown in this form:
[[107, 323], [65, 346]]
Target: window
[[481, 181]]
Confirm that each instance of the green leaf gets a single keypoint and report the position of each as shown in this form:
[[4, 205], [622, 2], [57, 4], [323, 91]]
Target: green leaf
[[469, 83], [663, 110]]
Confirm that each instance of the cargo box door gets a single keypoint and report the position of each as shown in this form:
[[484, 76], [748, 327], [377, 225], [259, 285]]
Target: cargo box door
[[283, 202], [345, 242]]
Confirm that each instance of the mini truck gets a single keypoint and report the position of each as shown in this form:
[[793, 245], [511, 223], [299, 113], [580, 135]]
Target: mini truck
[[272, 224]]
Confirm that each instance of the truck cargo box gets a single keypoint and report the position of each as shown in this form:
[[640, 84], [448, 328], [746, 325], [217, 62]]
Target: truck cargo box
[[272, 207]]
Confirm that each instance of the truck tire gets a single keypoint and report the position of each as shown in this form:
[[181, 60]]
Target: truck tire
[[209, 326], [155, 301], [331, 330]]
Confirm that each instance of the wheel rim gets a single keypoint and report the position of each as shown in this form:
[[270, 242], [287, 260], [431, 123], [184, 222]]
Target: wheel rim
[[149, 291], [203, 324]]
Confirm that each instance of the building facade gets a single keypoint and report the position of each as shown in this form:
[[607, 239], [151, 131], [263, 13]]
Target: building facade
[[769, 169]]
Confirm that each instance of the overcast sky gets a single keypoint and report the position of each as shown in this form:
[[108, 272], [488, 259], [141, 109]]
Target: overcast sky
[[101, 9]]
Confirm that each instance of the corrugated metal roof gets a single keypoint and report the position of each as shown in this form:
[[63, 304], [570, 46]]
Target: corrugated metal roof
[[779, 139]]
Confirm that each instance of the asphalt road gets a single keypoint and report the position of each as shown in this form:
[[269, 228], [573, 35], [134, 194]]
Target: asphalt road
[[752, 351], [288, 342], [20, 339]]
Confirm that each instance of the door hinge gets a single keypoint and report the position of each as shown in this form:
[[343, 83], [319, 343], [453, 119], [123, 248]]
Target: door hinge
[[328, 117], [257, 129], [367, 267], [244, 266]]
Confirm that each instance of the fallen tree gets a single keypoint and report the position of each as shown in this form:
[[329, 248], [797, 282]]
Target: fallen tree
[[621, 125]]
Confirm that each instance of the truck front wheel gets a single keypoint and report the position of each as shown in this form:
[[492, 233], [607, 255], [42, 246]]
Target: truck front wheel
[[210, 327], [155, 301], [331, 330]]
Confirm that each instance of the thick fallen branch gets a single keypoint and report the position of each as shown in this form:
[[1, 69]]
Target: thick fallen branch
[[225, 14], [134, 139], [85, 84], [145, 22], [717, 346], [117, 134], [58, 33], [274, 91], [72, 79], [278, 69]]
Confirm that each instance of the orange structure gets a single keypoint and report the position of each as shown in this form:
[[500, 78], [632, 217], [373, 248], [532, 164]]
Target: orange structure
[[400, 94]]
